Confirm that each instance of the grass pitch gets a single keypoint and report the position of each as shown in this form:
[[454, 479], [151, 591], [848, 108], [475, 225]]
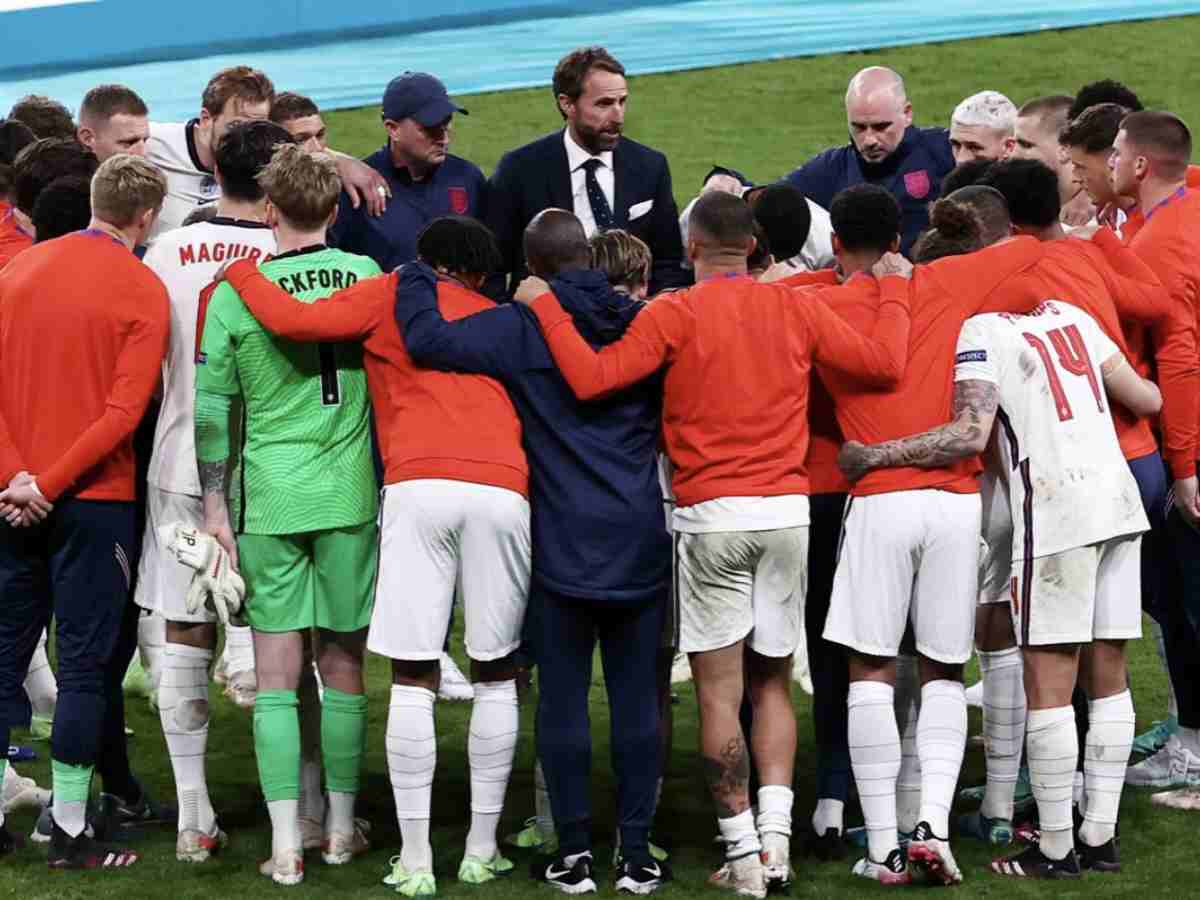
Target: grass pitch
[[763, 118]]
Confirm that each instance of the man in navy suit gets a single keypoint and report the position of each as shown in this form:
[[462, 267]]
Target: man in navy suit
[[607, 180]]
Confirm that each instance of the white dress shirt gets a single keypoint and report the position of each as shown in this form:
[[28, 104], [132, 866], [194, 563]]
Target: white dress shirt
[[576, 157]]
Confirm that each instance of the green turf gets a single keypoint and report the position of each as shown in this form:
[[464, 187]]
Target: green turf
[[767, 118], [764, 118]]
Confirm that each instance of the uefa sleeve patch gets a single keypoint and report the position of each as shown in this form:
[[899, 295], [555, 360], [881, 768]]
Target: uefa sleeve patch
[[969, 356], [201, 359]]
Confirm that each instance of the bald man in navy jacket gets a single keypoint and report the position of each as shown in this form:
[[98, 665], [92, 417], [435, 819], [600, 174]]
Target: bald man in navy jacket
[[885, 149]]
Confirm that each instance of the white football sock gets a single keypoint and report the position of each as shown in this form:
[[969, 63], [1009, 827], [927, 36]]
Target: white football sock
[[1003, 727], [341, 813], [239, 649], [1052, 748], [740, 835], [774, 810], [908, 707], [491, 745], [152, 642], [1109, 742], [412, 759], [184, 713], [71, 817], [941, 740], [543, 812], [285, 825], [875, 759], [829, 813], [312, 799], [40, 684]]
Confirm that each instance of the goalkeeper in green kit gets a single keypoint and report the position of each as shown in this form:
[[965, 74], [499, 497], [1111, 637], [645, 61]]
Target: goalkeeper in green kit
[[306, 536]]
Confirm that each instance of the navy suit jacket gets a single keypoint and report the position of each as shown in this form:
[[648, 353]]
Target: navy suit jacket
[[536, 177]]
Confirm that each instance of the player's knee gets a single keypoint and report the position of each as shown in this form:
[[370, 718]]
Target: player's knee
[[191, 715], [504, 669]]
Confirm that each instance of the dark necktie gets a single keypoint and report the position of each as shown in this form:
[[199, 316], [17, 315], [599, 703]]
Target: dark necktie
[[601, 211]]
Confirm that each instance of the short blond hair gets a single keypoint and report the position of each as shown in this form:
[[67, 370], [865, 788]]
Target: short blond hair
[[624, 258], [124, 187], [303, 186]]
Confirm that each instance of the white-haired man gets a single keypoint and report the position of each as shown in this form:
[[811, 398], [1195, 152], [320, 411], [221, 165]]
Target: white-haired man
[[983, 127]]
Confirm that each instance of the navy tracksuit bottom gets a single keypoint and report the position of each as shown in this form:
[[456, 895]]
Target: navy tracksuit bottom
[[565, 633]]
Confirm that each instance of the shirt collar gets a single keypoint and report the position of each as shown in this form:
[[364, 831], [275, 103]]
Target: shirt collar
[[577, 156]]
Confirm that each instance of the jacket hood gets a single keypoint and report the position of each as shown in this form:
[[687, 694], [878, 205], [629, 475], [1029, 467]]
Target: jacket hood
[[600, 313]]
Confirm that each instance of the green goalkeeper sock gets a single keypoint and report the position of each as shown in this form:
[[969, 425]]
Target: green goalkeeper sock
[[3, 766], [277, 744], [71, 785], [343, 733]]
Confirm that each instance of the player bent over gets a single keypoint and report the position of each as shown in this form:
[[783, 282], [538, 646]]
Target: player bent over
[[1076, 571], [454, 516], [306, 535]]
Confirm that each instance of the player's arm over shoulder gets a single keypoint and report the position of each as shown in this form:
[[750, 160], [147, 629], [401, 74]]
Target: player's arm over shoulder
[[1123, 384]]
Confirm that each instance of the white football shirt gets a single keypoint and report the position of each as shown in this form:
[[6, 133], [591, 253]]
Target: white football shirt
[[186, 259], [1068, 482], [172, 148]]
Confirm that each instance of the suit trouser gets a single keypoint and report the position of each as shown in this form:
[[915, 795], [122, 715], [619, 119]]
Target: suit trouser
[[629, 638], [76, 567]]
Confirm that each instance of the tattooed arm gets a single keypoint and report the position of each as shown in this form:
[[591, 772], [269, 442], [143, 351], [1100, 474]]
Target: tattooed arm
[[212, 460], [975, 404]]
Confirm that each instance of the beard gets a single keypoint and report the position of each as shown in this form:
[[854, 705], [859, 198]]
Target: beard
[[595, 140]]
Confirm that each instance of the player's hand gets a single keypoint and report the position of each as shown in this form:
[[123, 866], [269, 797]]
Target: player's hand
[[530, 288], [216, 586], [725, 183], [363, 184], [1187, 502], [21, 503], [1077, 211], [216, 523], [892, 264], [777, 271], [856, 460]]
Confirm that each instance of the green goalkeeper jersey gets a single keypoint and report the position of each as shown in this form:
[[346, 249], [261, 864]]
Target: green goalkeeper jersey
[[305, 444]]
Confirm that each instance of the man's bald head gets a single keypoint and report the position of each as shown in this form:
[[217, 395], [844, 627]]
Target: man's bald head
[[877, 112], [874, 79], [991, 207], [554, 242]]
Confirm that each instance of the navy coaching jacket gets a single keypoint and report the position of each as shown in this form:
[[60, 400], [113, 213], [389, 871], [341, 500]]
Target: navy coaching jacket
[[536, 177], [456, 187], [596, 513], [912, 174]]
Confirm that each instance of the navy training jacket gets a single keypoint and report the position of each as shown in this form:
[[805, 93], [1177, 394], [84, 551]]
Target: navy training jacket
[[596, 506]]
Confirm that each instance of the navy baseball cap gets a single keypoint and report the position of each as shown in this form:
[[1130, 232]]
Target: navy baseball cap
[[420, 96]]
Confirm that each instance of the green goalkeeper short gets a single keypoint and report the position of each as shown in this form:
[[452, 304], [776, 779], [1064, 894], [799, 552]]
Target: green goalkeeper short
[[317, 579]]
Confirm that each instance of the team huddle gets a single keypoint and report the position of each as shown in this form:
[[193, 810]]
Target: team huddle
[[850, 428]]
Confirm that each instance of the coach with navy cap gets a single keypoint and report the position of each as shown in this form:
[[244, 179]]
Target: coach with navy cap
[[426, 180]]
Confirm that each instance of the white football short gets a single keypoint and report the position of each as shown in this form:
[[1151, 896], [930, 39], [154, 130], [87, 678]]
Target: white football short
[[1080, 595], [163, 581], [731, 585], [995, 569], [439, 536], [907, 556]]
